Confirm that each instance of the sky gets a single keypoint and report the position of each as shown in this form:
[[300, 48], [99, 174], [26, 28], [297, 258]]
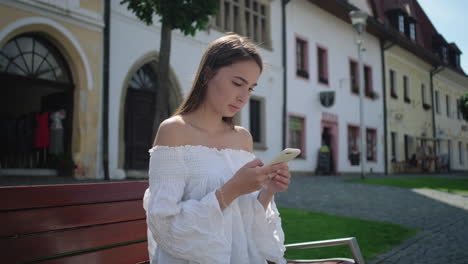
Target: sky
[[450, 19]]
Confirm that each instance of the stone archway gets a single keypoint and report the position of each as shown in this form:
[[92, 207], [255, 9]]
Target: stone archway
[[36, 109], [139, 93]]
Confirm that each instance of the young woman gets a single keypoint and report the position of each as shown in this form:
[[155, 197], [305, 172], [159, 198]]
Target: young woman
[[210, 200]]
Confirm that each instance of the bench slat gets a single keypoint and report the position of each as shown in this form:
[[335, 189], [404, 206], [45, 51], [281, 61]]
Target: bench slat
[[21, 197], [128, 254], [58, 242], [22, 222]]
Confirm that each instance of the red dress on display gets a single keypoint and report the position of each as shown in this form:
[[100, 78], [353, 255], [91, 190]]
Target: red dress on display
[[41, 135]]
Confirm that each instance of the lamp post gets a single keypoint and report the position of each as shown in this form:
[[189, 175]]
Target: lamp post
[[359, 19]]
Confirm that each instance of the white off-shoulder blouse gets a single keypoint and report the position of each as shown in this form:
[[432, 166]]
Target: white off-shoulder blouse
[[185, 222]]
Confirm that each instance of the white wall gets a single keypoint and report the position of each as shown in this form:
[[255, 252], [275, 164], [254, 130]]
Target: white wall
[[131, 40], [320, 27]]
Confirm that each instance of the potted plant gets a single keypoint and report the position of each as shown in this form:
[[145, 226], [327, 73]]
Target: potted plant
[[464, 106], [373, 94]]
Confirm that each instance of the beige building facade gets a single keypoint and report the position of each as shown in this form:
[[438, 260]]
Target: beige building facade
[[51, 62]]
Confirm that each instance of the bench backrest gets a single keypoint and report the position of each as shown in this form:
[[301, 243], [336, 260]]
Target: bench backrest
[[75, 223]]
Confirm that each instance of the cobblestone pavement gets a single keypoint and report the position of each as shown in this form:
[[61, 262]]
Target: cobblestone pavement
[[441, 217]]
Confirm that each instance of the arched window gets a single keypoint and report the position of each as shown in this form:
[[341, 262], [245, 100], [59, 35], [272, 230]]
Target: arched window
[[144, 79], [33, 57]]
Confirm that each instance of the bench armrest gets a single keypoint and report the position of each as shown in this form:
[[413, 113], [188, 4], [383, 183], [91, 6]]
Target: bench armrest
[[350, 241]]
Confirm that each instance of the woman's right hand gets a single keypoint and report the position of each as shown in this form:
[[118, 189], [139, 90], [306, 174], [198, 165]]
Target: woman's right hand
[[252, 177]]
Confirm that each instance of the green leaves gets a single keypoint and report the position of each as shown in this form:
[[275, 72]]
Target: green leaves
[[186, 15]]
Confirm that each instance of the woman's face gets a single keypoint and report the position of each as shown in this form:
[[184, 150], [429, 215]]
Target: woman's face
[[230, 88]]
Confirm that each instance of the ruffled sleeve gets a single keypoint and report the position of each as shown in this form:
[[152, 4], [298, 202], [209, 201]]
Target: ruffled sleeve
[[186, 229], [267, 233]]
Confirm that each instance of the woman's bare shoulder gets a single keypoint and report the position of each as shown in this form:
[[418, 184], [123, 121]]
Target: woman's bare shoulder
[[245, 138], [170, 132]]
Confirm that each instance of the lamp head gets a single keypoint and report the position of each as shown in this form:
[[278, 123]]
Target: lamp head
[[359, 20]]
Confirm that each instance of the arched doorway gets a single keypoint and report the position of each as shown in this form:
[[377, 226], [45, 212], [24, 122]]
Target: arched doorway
[[139, 117], [36, 104]]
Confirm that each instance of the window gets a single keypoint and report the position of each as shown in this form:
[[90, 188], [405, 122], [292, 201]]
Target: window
[[393, 88], [34, 57], [406, 89], [301, 58], [354, 76], [296, 133], [406, 145], [425, 105], [412, 29], [250, 18], [447, 102], [257, 114], [460, 153], [322, 64], [401, 23], [437, 102], [371, 143], [458, 109], [393, 136], [353, 139], [444, 54], [368, 81]]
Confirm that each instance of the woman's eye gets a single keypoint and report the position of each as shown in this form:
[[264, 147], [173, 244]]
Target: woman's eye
[[237, 84]]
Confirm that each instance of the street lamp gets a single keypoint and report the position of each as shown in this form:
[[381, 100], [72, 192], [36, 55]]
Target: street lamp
[[359, 19]]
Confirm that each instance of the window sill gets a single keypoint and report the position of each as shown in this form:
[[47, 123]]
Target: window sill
[[302, 74], [323, 80]]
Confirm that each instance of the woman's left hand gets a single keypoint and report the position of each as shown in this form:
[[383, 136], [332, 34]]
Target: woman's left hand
[[280, 180]]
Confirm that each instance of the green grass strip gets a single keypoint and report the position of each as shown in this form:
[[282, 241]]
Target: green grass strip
[[373, 237], [441, 184]]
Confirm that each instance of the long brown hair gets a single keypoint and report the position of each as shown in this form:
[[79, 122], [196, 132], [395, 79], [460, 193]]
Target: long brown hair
[[222, 52]]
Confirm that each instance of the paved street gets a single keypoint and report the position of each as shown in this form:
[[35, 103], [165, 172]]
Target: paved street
[[442, 218]]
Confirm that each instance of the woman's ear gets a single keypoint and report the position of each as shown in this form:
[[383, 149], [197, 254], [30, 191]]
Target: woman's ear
[[207, 75]]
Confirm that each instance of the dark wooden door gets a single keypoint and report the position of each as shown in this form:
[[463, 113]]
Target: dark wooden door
[[139, 118]]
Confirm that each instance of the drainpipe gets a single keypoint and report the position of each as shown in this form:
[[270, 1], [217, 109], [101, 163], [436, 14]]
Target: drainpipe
[[436, 69], [105, 91], [285, 75], [384, 96]]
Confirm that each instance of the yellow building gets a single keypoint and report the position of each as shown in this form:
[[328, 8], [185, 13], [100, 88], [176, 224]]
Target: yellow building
[[451, 129], [51, 76], [409, 113], [422, 76]]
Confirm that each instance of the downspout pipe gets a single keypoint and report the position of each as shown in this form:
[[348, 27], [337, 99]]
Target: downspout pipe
[[105, 90], [436, 69], [285, 72], [383, 47]]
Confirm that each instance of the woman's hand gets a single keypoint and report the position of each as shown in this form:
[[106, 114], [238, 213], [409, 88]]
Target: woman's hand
[[280, 180], [252, 177]]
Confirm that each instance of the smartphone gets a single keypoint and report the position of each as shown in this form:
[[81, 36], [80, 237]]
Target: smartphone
[[285, 156]]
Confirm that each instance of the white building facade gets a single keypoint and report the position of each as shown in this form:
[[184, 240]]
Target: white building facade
[[133, 62], [322, 56]]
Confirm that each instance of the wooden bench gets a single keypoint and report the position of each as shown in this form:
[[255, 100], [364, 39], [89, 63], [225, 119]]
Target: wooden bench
[[76, 223], [90, 223]]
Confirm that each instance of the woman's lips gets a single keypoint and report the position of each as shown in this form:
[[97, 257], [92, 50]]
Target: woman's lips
[[235, 108]]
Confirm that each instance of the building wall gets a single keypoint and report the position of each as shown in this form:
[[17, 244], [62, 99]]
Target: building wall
[[128, 54], [407, 118], [76, 32], [321, 28], [451, 127]]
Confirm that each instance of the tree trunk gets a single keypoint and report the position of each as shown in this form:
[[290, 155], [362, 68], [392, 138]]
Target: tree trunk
[[162, 93]]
